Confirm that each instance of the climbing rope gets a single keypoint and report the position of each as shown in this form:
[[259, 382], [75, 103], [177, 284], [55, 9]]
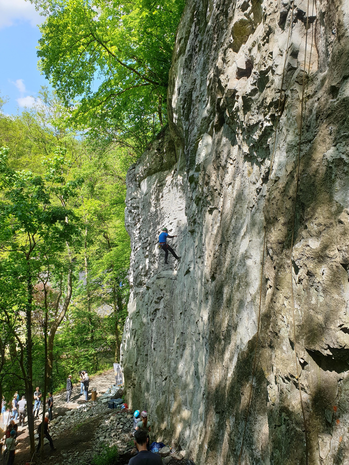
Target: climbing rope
[[254, 365], [300, 140], [278, 116]]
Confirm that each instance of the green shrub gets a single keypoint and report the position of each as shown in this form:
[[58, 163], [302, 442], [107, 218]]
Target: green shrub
[[107, 457]]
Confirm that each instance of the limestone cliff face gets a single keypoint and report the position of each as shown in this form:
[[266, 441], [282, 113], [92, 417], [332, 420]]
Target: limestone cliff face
[[241, 351]]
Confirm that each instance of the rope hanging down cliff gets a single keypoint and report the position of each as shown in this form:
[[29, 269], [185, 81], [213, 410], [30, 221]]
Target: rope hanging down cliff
[[254, 365], [300, 140]]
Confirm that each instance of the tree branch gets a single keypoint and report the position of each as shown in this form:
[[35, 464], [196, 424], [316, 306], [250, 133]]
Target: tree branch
[[124, 64], [119, 93]]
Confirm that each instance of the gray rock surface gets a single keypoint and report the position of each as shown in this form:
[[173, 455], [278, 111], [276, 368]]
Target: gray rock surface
[[241, 351]]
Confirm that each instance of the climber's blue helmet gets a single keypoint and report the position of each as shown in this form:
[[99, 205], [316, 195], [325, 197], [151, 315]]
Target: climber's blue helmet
[[136, 414]]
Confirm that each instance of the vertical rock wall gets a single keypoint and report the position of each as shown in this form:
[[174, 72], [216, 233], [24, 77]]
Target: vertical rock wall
[[241, 351]]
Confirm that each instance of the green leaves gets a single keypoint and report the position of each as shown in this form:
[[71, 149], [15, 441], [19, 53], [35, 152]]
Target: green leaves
[[109, 63], [29, 202], [62, 230]]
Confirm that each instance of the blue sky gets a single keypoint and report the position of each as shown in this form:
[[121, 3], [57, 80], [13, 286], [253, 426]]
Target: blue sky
[[20, 79]]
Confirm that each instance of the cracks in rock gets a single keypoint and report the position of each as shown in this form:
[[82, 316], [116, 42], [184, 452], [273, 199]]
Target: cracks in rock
[[299, 15], [295, 267], [337, 360], [245, 72], [344, 329], [263, 79], [220, 112], [291, 344], [291, 379], [346, 267], [302, 16]]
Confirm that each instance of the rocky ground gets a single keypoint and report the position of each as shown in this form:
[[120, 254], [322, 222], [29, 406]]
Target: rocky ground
[[81, 430]]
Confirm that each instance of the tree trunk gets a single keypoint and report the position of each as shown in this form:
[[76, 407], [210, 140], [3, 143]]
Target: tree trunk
[[46, 371], [55, 325], [116, 326], [117, 305], [160, 111], [29, 358], [88, 293]]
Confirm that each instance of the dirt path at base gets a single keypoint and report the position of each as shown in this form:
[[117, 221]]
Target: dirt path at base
[[80, 428], [78, 438]]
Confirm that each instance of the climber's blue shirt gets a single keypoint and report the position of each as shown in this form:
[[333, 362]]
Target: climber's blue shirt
[[163, 237]]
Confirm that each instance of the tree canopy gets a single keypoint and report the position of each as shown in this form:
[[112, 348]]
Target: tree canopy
[[64, 252], [108, 61]]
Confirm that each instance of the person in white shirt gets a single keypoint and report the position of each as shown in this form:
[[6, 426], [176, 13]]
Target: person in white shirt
[[7, 418], [22, 404]]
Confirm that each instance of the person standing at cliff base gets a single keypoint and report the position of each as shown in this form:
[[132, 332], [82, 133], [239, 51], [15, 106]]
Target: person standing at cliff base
[[144, 457], [15, 407], [37, 402], [82, 374], [86, 385], [10, 447], [69, 388], [22, 404], [6, 418], [46, 433], [164, 246], [3, 405]]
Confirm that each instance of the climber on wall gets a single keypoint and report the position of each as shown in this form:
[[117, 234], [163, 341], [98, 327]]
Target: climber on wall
[[164, 246]]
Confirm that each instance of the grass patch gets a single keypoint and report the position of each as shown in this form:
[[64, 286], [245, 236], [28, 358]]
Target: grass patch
[[107, 457]]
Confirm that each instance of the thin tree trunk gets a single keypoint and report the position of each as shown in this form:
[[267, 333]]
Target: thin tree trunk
[[88, 293], [120, 306], [46, 371], [29, 358], [160, 111], [55, 325], [115, 307], [2, 363]]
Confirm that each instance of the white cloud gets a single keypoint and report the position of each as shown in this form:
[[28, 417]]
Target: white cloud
[[20, 85], [18, 10], [27, 102]]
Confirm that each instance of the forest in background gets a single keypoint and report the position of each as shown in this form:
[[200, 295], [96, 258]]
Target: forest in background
[[64, 251], [62, 227]]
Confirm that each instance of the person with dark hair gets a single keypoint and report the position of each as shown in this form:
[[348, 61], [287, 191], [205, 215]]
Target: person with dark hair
[[11, 427], [10, 447], [164, 246], [69, 388], [144, 457], [46, 434]]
